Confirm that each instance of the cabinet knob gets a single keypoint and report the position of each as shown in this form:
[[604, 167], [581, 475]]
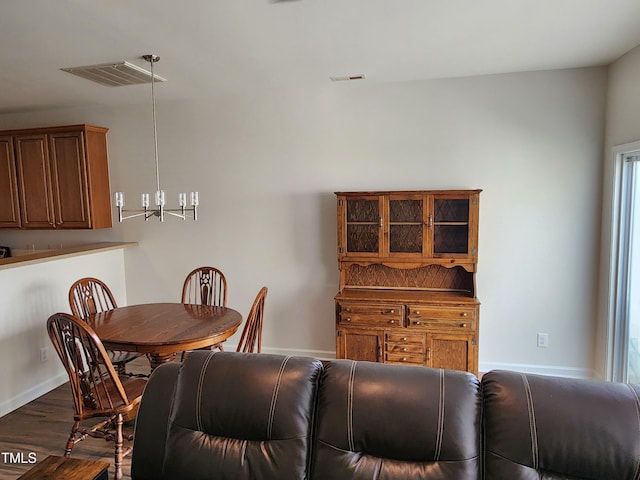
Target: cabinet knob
[[463, 325], [392, 311], [404, 339], [404, 349], [404, 359], [464, 314], [416, 322], [348, 319], [392, 321], [417, 312], [347, 309]]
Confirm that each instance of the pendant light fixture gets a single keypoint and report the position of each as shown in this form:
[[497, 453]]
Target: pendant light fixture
[[160, 209]]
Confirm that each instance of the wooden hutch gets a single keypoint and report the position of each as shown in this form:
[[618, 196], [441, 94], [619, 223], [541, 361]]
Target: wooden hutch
[[407, 263]]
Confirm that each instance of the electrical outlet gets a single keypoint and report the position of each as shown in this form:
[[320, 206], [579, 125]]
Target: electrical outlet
[[543, 340], [44, 354]]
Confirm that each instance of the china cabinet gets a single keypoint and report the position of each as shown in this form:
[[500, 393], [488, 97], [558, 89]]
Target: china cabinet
[[407, 265]]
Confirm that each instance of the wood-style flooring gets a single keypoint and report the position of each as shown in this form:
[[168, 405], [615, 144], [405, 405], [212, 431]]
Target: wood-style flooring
[[41, 428]]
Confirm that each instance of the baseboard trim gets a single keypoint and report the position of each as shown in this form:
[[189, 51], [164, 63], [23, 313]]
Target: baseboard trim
[[32, 393], [549, 370]]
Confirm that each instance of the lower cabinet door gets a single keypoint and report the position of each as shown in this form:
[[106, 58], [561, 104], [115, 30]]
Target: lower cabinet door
[[451, 351], [361, 345]]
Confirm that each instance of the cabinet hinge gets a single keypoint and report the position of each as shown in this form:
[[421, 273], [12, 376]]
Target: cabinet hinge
[[339, 333], [340, 202], [474, 251], [474, 201], [341, 250], [473, 341]]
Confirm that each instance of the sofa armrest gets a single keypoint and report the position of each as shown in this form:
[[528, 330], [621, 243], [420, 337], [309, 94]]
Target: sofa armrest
[[152, 423]]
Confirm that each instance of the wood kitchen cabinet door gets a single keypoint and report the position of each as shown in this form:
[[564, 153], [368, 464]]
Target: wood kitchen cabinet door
[[34, 181], [9, 204], [69, 180]]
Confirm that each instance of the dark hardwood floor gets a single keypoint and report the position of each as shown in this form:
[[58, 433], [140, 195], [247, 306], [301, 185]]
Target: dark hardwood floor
[[41, 428]]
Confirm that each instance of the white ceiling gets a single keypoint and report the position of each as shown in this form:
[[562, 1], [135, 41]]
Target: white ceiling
[[223, 46]]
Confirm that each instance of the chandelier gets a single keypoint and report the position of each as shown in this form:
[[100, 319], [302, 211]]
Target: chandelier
[[160, 209]]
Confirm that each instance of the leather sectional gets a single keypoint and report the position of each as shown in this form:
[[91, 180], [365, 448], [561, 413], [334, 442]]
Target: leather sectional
[[256, 416]]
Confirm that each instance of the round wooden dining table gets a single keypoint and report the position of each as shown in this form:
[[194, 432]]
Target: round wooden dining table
[[161, 330]]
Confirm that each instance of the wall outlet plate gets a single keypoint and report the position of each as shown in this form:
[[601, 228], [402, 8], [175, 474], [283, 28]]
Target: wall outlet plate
[[543, 340]]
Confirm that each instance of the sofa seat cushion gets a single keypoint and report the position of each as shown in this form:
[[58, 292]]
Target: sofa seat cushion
[[387, 422]]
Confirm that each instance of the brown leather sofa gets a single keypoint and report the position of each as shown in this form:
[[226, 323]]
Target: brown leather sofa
[[255, 416]]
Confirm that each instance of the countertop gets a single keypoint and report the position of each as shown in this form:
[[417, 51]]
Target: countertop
[[40, 256]]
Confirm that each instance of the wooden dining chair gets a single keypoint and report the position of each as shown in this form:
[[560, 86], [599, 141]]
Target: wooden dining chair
[[251, 339], [96, 388], [205, 286], [89, 296]]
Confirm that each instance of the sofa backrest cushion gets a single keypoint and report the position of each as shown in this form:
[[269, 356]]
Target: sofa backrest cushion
[[560, 428], [380, 421], [242, 416]]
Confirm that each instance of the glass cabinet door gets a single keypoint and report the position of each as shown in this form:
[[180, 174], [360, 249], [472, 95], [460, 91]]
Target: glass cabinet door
[[363, 225], [450, 224], [406, 225]]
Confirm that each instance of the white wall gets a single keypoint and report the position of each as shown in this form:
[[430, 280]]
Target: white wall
[[622, 115], [28, 296], [267, 164]]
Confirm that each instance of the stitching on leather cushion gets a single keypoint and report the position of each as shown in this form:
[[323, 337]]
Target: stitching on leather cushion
[[203, 371], [532, 421], [274, 397], [350, 407], [440, 432]]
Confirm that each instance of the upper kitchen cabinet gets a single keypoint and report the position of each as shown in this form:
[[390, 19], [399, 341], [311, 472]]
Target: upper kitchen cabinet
[[409, 227], [61, 177]]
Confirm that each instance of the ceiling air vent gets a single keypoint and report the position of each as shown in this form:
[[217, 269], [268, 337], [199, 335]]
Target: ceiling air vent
[[347, 78], [114, 74]]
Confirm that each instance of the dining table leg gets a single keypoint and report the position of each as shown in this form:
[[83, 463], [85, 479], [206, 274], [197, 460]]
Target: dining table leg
[[157, 359]]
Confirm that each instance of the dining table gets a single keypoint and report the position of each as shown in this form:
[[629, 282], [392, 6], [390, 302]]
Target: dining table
[[160, 330]]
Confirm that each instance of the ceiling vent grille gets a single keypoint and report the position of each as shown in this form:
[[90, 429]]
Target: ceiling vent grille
[[114, 74]]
